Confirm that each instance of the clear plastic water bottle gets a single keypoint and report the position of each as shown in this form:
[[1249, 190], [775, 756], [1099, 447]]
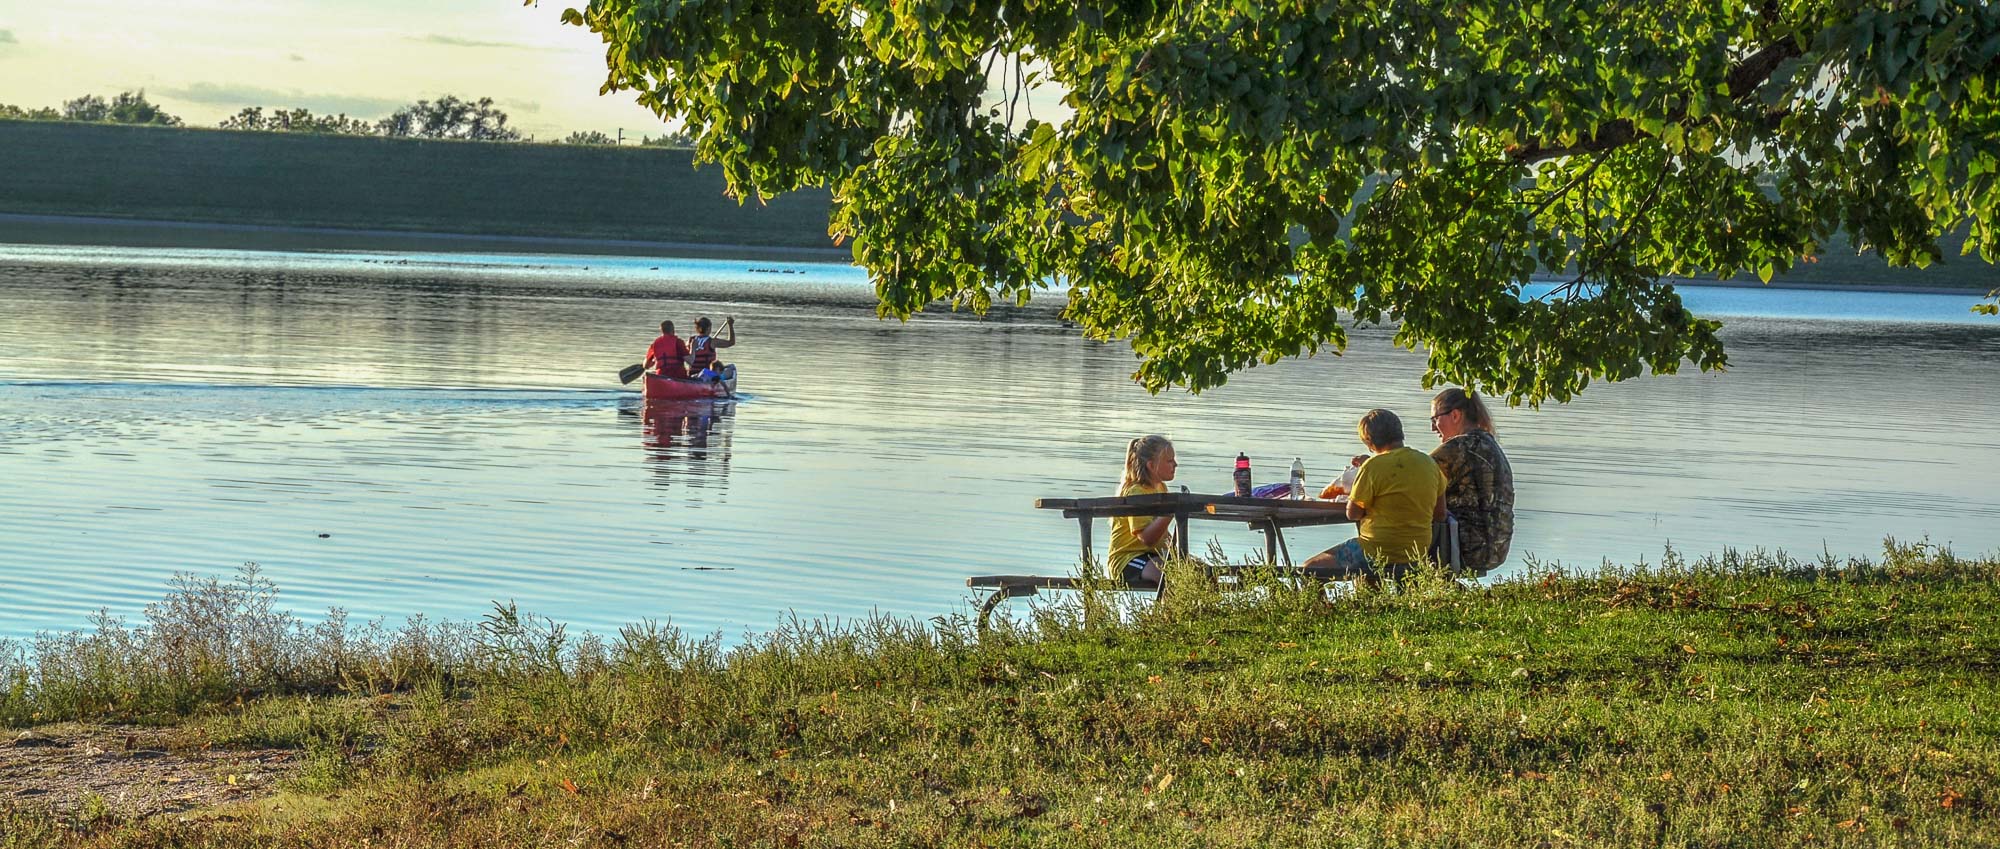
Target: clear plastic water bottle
[[1347, 476], [1243, 475], [1298, 478]]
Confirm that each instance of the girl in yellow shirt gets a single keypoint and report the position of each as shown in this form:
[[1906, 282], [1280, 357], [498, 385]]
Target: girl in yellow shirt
[[1139, 545]]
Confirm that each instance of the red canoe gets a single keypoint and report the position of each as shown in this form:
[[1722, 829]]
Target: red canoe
[[673, 389]]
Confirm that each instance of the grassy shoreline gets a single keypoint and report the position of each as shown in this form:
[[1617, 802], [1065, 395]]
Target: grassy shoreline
[[1741, 701]]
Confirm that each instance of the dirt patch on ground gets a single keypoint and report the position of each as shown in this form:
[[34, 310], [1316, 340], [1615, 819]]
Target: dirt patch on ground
[[131, 771]]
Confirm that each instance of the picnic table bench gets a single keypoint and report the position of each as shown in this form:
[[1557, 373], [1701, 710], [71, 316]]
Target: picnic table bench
[[1269, 515]]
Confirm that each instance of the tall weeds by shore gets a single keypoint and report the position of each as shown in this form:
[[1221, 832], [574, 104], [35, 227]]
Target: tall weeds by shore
[[1741, 700], [209, 641]]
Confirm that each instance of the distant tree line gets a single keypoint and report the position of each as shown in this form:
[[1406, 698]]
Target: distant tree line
[[129, 107], [450, 118], [447, 117], [669, 140], [595, 137], [253, 119]]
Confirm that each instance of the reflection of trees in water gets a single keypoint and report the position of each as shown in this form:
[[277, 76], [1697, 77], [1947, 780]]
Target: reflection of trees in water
[[688, 438]]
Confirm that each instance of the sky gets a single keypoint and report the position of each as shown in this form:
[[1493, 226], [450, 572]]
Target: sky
[[206, 59]]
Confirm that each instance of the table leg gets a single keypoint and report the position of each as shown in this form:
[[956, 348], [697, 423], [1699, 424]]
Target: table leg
[[1083, 523], [1180, 532], [999, 595], [986, 609], [1271, 543]]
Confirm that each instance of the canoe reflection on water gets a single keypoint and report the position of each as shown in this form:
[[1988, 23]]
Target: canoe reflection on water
[[688, 436]]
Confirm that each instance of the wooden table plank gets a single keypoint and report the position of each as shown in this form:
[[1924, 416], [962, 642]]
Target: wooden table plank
[[1282, 510], [1223, 507]]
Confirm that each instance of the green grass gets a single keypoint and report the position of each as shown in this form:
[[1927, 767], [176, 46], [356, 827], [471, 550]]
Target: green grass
[[201, 175], [1744, 701]]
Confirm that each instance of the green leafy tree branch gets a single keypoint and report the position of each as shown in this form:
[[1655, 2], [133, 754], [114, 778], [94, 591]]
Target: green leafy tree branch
[[1235, 182]]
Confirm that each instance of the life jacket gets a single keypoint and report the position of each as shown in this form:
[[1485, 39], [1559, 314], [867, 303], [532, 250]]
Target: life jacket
[[700, 353], [665, 354]]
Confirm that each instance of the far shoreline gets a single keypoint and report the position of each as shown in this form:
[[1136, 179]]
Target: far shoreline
[[1822, 286], [109, 232], [106, 232]]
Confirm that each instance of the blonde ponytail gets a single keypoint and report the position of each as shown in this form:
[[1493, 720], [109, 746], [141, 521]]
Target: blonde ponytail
[[1139, 456]]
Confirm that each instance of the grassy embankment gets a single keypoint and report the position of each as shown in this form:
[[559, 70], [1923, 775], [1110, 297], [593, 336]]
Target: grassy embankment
[[276, 179], [498, 190], [1754, 701]]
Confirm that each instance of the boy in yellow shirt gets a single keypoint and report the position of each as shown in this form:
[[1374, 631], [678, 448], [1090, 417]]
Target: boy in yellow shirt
[[1398, 493]]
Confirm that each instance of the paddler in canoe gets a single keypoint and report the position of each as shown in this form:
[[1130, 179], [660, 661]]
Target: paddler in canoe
[[668, 355], [701, 349], [665, 368]]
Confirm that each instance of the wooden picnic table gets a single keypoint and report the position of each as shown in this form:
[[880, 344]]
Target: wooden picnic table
[[1270, 515]]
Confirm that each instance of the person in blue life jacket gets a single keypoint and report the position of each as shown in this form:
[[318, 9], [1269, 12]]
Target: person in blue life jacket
[[701, 348]]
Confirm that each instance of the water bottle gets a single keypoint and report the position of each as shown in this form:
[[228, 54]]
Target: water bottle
[[1347, 476], [1298, 478], [1243, 475]]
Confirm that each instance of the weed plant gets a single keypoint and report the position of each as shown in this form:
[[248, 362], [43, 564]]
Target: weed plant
[[1747, 699], [210, 641]]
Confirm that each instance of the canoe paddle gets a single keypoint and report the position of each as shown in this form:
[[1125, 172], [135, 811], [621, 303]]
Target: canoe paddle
[[631, 372]]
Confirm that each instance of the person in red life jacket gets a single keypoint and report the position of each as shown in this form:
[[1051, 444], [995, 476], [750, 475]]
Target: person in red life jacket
[[667, 356], [701, 347]]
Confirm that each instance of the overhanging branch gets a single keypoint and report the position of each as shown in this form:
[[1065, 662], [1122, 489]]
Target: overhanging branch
[[1742, 80]]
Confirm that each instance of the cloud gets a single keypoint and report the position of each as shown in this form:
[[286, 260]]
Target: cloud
[[455, 41], [7, 37], [296, 58], [523, 105], [235, 96]]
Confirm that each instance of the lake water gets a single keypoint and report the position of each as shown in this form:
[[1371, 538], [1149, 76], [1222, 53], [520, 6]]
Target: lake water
[[397, 434]]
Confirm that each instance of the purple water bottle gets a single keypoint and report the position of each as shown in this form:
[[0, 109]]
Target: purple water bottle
[[1243, 475]]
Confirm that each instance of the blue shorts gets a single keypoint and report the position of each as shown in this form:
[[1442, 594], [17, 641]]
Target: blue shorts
[[1349, 556]]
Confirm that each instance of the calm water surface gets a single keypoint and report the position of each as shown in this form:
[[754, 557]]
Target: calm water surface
[[396, 434]]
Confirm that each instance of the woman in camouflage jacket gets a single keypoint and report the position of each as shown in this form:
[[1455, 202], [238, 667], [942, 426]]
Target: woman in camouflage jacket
[[1479, 488]]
